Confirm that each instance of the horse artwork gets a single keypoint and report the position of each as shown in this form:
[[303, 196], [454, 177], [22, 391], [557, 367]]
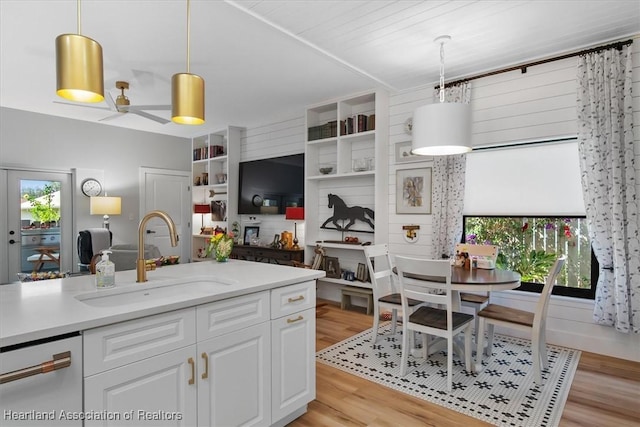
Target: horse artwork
[[342, 212]]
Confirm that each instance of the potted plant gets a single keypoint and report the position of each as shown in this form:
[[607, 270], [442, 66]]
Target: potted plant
[[43, 210]]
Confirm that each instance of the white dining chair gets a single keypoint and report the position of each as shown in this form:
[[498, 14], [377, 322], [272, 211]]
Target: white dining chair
[[386, 292], [476, 301], [441, 322], [531, 322]]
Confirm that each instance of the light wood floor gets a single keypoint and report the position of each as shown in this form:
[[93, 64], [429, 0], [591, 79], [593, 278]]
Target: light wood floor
[[605, 391]]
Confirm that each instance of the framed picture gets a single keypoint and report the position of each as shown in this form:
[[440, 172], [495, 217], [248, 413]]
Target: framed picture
[[362, 274], [249, 233], [413, 191], [332, 267], [403, 154]]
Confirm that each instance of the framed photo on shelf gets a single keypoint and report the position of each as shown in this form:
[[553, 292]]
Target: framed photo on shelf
[[404, 155], [362, 274], [249, 233], [332, 267], [413, 191]]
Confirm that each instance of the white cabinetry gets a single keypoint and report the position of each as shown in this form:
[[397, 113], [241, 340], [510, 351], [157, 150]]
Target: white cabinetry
[[155, 391], [215, 179], [357, 184], [293, 344], [141, 369], [235, 350], [242, 361]]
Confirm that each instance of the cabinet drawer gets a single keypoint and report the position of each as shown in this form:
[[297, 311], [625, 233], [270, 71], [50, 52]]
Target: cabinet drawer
[[293, 298], [116, 345], [232, 314]]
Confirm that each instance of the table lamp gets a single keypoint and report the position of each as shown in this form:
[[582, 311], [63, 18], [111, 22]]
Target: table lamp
[[105, 205], [294, 213], [203, 210]]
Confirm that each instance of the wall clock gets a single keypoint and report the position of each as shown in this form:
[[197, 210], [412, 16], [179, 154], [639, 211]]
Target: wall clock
[[91, 187]]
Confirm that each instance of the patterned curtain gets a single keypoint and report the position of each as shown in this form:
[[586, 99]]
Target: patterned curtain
[[448, 188], [606, 149]]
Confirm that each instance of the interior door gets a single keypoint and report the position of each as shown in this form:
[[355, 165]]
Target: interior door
[[168, 191], [28, 230]]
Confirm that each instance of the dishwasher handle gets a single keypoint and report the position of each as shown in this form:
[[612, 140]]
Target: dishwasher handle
[[59, 361]]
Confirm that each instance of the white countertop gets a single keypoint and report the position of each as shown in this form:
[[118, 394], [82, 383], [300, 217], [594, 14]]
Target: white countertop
[[46, 308]]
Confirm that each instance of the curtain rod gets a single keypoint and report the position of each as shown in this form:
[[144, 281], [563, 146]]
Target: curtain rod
[[523, 67]]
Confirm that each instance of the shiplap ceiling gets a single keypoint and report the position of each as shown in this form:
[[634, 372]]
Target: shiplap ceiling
[[264, 61]]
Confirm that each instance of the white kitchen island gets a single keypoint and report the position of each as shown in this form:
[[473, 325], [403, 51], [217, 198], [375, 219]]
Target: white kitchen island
[[211, 344]]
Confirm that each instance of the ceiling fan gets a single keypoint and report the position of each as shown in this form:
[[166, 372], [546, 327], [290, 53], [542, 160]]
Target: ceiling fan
[[122, 105]]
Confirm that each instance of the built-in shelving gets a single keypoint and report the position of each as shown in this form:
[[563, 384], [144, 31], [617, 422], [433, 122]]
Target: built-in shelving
[[214, 172], [333, 144]]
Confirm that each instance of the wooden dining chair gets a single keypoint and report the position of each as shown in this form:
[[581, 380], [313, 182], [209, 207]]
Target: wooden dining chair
[[441, 322], [476, 301], [386, 293], [531, 322]]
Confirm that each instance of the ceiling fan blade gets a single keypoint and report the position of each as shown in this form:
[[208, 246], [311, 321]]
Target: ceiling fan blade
[[80, 105], [111, 117], [110, 102], [150, 107], [160, 120]]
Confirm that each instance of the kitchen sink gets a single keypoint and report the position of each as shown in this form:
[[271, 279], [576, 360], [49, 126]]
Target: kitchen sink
[[141, 293]]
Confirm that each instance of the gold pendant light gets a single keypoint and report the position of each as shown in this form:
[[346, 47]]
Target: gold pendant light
[[187, 90], [79, 72], [441, 128]]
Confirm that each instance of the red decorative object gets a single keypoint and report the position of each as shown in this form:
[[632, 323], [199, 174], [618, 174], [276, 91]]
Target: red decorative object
[[294, 214], [202, 209]]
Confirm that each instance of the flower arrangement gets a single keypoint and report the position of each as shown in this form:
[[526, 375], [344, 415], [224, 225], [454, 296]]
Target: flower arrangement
[[220, 245]]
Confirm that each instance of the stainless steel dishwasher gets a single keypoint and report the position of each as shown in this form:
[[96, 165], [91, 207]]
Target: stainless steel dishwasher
[[41, 383]]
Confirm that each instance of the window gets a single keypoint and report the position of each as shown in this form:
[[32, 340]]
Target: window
[[530, 245]]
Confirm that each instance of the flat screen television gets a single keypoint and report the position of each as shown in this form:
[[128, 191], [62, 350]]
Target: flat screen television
[[269, 186]]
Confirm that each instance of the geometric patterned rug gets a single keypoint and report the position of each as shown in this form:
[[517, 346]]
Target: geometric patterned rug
[[503, 394]]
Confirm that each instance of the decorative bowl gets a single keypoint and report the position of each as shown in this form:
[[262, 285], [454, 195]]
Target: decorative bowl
[[325, 169]]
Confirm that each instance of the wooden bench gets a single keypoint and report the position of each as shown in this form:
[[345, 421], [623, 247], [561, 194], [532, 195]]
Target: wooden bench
[[352, 291]]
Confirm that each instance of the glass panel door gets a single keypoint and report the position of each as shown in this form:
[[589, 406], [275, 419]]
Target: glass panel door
[[39, 223]]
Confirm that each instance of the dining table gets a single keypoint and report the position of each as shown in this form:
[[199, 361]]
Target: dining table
[[476, 280], [471, 280]]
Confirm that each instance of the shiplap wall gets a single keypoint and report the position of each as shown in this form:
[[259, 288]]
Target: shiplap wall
[[509, 107], [515, 107], [273, 140]]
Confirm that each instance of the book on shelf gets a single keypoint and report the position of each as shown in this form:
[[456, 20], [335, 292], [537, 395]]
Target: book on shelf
[[327, 130], [200, 153]]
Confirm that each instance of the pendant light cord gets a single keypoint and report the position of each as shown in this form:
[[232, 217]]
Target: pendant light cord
[[442, 71], [79, 23], [188, 36]]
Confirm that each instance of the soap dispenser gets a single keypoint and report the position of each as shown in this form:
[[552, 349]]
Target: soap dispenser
[[105, 272]]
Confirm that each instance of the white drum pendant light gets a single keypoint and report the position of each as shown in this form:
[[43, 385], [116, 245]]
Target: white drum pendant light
[[187, 90], [442, 128], [79, 74]]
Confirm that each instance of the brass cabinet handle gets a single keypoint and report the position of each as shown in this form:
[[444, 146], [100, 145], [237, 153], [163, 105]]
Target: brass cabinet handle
[[300, 298], [297, 319], [205, 356], [59, 361], [192, 380]]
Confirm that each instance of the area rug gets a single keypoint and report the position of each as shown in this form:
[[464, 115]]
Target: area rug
[[503, 394]]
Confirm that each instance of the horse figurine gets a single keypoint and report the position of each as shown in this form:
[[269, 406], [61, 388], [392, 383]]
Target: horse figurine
[[341, 212]]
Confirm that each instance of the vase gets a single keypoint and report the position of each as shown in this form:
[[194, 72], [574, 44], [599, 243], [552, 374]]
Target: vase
[[223, 250]]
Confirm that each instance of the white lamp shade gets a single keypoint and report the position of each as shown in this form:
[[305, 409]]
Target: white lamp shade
[[105, 205], [442, 128]]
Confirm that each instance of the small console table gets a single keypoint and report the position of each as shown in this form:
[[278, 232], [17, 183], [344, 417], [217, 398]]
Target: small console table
[[267, 254]]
